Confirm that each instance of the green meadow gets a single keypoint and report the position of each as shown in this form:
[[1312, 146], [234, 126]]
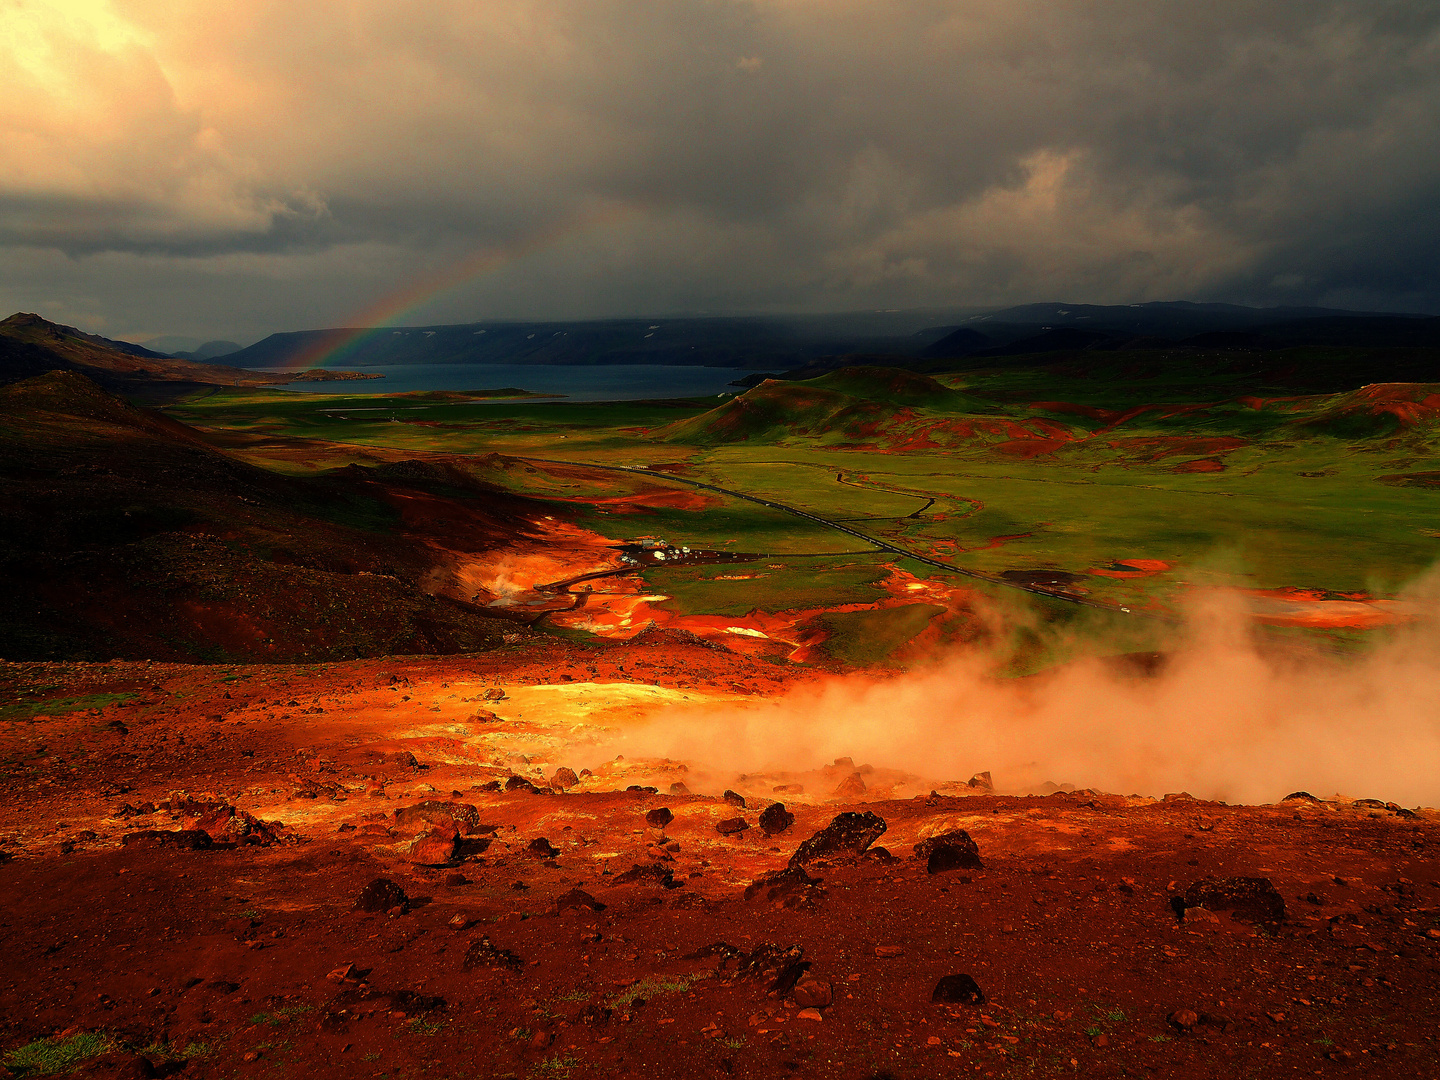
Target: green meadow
[[1224, 481]]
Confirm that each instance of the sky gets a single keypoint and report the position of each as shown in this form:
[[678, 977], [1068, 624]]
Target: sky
[[236, 167]]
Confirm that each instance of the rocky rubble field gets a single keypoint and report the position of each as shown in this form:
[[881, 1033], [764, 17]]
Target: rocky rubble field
[[418, 867]]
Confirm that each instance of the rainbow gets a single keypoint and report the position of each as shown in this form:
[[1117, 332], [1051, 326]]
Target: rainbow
[[329, 347]]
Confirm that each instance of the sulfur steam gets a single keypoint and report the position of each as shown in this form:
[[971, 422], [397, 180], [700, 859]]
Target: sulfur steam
[[1229, 716]]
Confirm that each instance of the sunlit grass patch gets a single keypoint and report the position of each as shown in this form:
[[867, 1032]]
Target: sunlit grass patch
[[46, 1056]]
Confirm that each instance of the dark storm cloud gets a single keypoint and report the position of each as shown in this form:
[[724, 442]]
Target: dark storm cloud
[[298, 161]]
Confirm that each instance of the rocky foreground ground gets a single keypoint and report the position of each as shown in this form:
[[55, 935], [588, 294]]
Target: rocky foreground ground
[[391, 869]]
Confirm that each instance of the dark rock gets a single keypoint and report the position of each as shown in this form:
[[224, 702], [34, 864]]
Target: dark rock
[[788, 977], [489, 785], [595, 1015], [981, 781], [519, 783], [659, 817], [734, 798], [226, 824], [648, 874], [402, 757], [952, 850], [847, 836], [731, 826], [494, 693], [184, 839], [542, 848], [463, 817], [769, 960], [961, 989], [775, 819], [578, 898], [484, 953], [644, 789], [1248, 899], [879, 854], [780, 885], [679, 788], [850, 787], [1300, 796], [382, 894], [564, 778]]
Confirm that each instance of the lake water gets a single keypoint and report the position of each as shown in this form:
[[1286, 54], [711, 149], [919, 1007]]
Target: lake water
[[600, 382]]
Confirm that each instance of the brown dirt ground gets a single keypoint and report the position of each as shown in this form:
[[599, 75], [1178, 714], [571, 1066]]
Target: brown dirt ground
[[217, 960]]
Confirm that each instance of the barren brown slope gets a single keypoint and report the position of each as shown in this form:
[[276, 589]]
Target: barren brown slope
[[126, 535]]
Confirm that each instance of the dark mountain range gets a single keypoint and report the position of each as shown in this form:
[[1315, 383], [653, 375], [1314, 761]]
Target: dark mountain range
[[818, 343], [30, 345]]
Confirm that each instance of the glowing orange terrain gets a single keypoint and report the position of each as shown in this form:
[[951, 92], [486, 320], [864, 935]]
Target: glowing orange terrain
[[557, 908]]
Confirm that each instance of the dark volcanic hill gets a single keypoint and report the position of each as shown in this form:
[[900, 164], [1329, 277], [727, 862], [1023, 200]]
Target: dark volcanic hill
[[30, 345], [125, 534]]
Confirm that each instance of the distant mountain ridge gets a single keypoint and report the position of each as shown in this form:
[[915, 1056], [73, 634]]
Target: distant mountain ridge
[[31, 345], [795, 341]]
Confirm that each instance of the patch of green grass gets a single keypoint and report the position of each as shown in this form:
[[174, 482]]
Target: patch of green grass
[[868, 637], [23, 710], [284, 1015], [653, 986], [555, 1066], [46, 1056], [426, 1025]]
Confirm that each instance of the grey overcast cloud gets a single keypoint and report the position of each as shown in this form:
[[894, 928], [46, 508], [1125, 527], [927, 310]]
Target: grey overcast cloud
[[234, 167]]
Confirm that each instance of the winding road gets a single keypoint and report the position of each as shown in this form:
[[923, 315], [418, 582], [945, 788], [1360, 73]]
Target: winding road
[[874, 541]]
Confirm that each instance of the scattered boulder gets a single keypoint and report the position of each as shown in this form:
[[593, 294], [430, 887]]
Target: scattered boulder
[[847, 836], [226, 824], [734, 798], [812, 993], [775, 819], [850, 787], [981, 782], [485, 954], [731, 826], [949, 851], [401, 757], [645, 789], [1184, 1019], [792, 887], [434, 847], [768, 959], [382, 894], [519, 783], [462, 817], [648, 874], [1301, 796], [494, 693], [184, 839], [577, 898], [1248, 899], [542, 848], [958, 989], [564, 779], [659, 817], [679, 788], [789, 789]]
